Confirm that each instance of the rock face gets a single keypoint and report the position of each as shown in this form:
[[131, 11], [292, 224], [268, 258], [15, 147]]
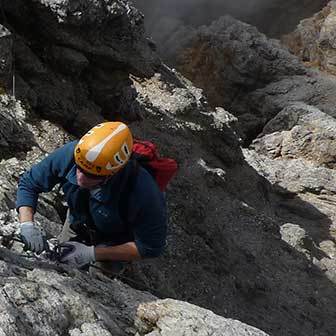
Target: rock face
[[295, 152], [299, 131], [6, 66], [233, 212], [172, 23], [73, 58], [313, 40], [170, 317], [36, 299], [255, 79]]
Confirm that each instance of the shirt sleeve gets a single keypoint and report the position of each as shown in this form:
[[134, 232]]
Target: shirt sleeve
[[150, 224], [43, 176]]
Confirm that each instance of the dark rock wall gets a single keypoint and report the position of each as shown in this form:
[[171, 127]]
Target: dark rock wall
[[73, 60]]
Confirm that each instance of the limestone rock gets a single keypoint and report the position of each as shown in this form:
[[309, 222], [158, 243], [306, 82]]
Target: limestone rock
[[297, 237], [14, 135], [313, 40], [44, 302], [171, 317], [231, 60], [299, 130]]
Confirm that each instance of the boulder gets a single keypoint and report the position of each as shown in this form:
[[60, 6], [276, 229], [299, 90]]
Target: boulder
[[171, 317], [299, 131]]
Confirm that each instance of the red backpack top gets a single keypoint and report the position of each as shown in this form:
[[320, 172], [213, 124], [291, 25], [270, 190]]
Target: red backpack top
[[162, 169]]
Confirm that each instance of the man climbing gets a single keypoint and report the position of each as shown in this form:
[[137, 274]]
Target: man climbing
[[116, 212]]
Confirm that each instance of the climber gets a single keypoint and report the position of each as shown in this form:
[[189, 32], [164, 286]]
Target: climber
[[108, 220]]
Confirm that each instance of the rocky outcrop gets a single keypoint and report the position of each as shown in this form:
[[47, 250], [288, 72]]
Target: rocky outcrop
[[37, 299], [299, 131], [171, 24], [43, 297], [252, 77], [170, 317], [313, 40], [73, 59], [295, 152]]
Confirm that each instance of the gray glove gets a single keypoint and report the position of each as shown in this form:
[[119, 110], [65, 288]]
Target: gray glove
[[76, 254], [33, 237]]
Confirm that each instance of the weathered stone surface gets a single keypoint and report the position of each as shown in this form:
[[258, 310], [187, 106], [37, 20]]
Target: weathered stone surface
[[171, 317], [251, 76], [14, 135], [220, 215], [6, 59], [299, 130], [43, 301], [314, 41], [307, 199], [210, 203], [234, 56], [297, 237], [231, 60], [73, 58]]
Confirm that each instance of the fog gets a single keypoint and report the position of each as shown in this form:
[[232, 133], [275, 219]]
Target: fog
[[196, 12], [273, 17]]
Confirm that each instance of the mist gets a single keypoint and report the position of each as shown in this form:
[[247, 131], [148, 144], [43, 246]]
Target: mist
[[272, 17], [197, 12]]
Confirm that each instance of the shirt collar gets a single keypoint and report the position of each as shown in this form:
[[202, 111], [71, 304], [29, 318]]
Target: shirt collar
[[71, 176], [105, 192]]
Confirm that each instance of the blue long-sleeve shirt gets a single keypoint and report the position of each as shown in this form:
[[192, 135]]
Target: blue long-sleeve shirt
[[146, 208]]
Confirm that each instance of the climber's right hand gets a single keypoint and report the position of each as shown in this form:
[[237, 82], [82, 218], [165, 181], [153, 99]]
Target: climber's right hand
[[33, 237]]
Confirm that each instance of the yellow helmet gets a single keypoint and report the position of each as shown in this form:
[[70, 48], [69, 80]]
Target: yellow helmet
[[105, 149]]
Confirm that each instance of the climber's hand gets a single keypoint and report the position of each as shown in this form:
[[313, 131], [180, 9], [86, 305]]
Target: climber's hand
[[76, 254], [33, 237]]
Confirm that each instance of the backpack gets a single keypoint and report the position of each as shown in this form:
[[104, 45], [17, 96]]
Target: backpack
[[162, 169]]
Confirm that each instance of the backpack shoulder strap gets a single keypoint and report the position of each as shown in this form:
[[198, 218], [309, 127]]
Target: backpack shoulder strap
[[126, 189]]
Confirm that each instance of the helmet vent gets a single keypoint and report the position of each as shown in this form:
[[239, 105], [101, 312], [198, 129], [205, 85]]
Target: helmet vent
[[126, 150], [118, 159]]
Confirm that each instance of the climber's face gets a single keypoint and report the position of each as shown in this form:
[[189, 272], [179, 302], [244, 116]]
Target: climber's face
[[89, 181]]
